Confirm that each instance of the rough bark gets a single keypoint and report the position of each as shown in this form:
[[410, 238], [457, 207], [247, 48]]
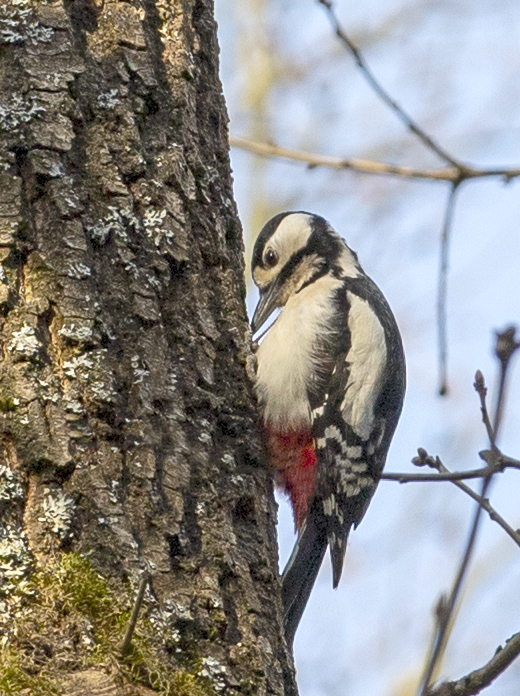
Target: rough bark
[[129, 437]]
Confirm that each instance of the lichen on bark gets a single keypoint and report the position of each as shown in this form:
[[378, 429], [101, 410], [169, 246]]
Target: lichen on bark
[[129, 436]]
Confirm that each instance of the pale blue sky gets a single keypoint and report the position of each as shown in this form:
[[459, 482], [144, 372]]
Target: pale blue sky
[[455, 67]]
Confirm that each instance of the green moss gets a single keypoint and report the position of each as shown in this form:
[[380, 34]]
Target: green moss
[[71, 600], [80, 590], [7, 405], [16, 680], [185, 684]]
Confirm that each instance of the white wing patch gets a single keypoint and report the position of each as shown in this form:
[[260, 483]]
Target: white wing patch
[[366, 359]]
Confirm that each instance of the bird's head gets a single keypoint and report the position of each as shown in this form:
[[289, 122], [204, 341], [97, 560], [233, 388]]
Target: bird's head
[[293, 250]]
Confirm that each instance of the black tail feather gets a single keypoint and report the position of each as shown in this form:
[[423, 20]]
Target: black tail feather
[[301, 571], [338, 547]]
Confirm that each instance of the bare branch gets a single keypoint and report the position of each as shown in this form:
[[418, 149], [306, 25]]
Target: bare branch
[[127, 641], [499, 460], [359, 165], [505, 347], [481, 389], [312, 160], [442, 476], [383, 94], [493, 514], [444, 617], [474, 682], [442, 291], [496, 463]]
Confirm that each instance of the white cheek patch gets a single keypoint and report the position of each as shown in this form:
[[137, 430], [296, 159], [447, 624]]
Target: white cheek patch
[[367, 360], [263, 276]]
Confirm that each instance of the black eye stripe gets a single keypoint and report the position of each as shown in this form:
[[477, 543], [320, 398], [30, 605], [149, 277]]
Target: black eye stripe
[[289, 267]]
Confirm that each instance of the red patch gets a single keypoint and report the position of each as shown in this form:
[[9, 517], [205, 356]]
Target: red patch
[[293, 455]]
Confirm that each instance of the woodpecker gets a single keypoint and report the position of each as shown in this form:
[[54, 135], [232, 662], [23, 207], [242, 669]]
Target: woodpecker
[[330, 383]]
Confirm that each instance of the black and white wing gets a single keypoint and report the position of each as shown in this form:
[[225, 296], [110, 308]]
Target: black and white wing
[[360, 414], [353, 422]]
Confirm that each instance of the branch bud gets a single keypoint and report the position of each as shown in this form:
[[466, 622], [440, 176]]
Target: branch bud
[[506, 344], [479, 384]]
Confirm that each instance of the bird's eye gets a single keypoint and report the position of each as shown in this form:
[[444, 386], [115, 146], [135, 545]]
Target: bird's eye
[[270, 258]]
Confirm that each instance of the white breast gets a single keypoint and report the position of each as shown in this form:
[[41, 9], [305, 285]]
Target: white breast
[[287, 356]]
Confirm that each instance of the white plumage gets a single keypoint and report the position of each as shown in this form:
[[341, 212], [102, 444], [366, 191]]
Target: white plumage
[[287, 357]]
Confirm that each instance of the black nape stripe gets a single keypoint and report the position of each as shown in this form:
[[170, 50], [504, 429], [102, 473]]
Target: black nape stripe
[[319, 274], [324, 241]]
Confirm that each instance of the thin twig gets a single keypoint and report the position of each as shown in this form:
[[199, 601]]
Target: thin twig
[[493, 514], [481, 389], [313, 160], [499, 460], [442, 292], [445, 475], [445, 613], [473, 683], [383, 94], [145, 579], [506, 345], [496, 462]]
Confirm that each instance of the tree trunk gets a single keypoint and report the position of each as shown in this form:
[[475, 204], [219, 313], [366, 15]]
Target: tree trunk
[[129, 438]]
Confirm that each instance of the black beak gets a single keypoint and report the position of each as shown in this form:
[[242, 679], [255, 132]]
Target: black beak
[[266, 305]]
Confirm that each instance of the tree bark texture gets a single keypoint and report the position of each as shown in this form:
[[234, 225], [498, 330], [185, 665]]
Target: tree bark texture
[[129, 437]]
